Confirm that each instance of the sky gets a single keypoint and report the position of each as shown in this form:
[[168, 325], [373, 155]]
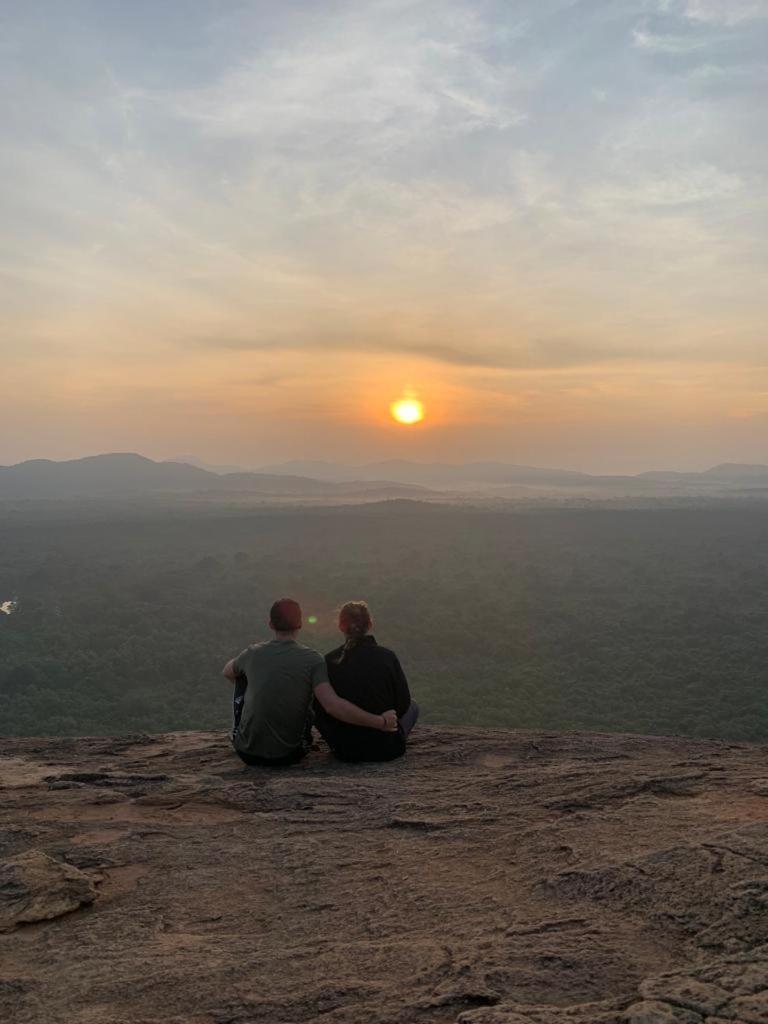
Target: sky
[[240, 230]]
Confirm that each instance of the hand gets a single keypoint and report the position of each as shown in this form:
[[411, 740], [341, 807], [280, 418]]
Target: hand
[[389, 721]]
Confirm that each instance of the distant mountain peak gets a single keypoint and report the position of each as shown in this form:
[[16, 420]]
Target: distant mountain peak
[[127, 474], [736, 469], [116, 474]]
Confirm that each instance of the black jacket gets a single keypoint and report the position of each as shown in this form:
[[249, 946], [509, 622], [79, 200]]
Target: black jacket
[[371, 677]]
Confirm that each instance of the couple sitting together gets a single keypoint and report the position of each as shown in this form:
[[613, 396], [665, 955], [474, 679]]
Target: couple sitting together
[[357, 696]]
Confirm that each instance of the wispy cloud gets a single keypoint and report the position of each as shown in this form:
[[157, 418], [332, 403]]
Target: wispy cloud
[[680, 186], [556, 353], [671, 44], [463, 188], [720, 12], [379, 86]]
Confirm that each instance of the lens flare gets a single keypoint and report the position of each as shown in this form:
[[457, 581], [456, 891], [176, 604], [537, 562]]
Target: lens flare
[[407, 411]]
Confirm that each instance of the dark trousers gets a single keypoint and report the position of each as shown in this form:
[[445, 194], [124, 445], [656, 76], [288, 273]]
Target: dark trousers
[[238, 700], [273, 762]]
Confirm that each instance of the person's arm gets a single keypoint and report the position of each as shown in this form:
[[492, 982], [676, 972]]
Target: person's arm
[[234, 667], [350, 713], [402, 691]]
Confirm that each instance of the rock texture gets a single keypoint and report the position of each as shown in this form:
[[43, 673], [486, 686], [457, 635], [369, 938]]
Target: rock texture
[[35, 887], [487, 878]]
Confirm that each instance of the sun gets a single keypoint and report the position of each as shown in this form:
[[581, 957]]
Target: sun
[[407, 411]]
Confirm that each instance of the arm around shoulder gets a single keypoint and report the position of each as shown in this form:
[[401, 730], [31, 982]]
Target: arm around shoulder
[[350, 713]]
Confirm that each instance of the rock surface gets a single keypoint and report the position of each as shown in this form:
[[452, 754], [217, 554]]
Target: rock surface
[[487, 878], [35, 887]]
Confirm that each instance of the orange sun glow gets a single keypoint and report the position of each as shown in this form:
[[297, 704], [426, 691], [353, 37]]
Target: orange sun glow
[[407, 410]]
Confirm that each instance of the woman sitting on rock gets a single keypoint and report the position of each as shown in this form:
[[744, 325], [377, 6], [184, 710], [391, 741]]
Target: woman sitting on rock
[[372, 677]]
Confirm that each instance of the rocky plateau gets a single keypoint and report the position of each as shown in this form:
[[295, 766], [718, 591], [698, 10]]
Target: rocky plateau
[[487, 878]]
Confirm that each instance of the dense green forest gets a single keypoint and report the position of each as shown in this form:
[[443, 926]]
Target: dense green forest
[[644, 620]]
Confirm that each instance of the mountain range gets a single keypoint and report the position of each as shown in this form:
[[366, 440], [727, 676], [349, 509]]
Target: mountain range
[[126, 474], [433, 473], [460, 475]]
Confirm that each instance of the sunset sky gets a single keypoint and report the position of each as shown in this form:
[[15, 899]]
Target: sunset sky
[[241, 230]]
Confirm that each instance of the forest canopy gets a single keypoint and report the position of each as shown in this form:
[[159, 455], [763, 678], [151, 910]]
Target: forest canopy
[[639, 620]]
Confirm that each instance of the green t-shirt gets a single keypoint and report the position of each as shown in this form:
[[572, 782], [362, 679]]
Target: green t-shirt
[[281, 675]]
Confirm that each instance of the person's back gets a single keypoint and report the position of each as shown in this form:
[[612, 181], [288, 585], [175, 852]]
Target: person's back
[[370, 676], [273, 686], [281, 675]]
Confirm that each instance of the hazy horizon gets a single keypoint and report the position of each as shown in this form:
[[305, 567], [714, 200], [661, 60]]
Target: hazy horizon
[[244, 229], [300, 463]]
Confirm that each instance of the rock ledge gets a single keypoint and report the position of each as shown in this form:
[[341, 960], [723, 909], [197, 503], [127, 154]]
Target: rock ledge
[[488, 878]]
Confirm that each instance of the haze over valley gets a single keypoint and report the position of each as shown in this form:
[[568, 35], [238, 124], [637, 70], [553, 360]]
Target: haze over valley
[[128, 474]]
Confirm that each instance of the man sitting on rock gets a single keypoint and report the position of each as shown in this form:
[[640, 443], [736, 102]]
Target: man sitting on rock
[[274, 685]]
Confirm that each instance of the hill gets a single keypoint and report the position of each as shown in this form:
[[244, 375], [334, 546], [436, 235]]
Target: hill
[[124, 474], [488, 878], [499, 474], [436, 473]]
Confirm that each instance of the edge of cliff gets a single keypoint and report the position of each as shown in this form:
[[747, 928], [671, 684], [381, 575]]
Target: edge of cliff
[[488, 877]]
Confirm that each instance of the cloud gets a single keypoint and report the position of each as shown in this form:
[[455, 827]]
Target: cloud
[[716, 12], [725, 12], [466, 188], [537, 353], [671, 44], [680, 186], [369, 85]]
